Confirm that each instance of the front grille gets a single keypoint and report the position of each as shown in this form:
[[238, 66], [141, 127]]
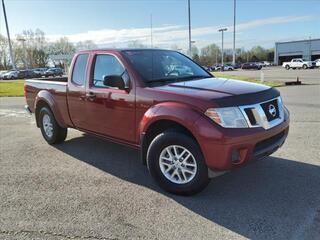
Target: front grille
[[264, 114], [271, 109], [250, 116]]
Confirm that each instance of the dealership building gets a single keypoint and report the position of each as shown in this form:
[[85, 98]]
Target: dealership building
[[306, 49]]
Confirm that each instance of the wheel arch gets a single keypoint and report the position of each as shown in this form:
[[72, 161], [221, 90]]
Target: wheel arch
[[44, 98], [175, 116]]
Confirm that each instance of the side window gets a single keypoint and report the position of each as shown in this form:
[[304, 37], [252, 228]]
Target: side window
[[79, 70], [106, 65]]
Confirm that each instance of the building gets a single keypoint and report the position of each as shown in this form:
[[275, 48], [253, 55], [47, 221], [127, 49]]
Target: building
[[306, 49]]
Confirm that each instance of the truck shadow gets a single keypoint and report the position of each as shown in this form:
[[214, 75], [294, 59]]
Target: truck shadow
[[259, 201]]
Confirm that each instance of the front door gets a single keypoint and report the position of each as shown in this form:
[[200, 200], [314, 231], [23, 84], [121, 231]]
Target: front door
[[111, 110]]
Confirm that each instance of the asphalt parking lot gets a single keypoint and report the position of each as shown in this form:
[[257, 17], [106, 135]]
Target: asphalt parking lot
[[308, 76], [87, 188]]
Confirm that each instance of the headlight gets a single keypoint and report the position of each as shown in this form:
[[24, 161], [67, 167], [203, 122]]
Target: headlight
[[229, 117]]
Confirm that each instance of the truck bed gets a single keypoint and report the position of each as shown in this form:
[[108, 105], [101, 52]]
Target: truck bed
[[54, 89]]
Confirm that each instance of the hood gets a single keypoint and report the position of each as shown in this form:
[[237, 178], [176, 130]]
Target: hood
[[223, 91]]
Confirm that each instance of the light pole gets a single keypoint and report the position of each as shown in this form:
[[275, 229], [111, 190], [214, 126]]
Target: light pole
[[234, 33], [222, 30], [189, 16], [9, 40]]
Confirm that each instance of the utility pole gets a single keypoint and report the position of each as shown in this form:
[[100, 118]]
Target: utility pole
[[222, 30], [151, 31], [189, 16], [234, 33], [9, 40]]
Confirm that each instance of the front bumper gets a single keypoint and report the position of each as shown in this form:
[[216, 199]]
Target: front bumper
[[28, 110], [225, 149]]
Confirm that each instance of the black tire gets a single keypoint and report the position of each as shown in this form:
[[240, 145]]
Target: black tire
[[59, 134], [304, 66], [287, 67], [165, 139]]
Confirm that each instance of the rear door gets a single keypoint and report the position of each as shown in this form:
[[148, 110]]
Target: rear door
[[77, 91], [111, 110]]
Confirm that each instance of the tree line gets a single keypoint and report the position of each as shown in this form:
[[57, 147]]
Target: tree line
[[211, 55], [31, 49]]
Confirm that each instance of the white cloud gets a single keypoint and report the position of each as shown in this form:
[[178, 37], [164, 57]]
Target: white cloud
[[165, 36]]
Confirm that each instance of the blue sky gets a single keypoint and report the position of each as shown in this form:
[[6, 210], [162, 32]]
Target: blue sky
[[118, 22]]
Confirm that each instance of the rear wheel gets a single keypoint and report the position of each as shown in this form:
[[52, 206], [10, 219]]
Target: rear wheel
[[176, 163], [50, 129]]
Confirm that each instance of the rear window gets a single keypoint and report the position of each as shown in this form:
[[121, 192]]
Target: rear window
[[79, 70]]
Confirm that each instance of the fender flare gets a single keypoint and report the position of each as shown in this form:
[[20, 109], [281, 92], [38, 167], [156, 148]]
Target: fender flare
[[46, 97], [179, 113]]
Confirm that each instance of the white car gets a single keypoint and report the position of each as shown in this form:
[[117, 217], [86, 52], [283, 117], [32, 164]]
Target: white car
[[2, 73], [266, 63], [298, 63], [13, 74], [228, 68]]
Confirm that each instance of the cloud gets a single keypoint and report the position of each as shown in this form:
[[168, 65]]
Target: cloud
[[165, 36]]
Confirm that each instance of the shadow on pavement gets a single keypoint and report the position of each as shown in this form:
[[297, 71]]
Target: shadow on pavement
[[268, 198]]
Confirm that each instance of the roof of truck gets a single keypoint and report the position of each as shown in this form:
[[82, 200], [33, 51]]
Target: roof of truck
[[125, 49]]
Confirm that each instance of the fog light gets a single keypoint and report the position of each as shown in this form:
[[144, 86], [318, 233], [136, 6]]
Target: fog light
[[238, 156]]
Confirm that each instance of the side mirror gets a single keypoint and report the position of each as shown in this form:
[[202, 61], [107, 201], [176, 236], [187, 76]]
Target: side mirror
[[114, 81]]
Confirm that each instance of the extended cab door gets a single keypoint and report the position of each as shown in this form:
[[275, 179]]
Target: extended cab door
[[111, 110], [76, 94]]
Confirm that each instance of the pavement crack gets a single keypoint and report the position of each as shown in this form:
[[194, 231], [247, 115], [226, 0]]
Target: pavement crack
[[47, 233]]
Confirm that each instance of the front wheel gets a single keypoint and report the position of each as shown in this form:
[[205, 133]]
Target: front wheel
[[176, 163], [50, 129], [287, 67], [304, 66]]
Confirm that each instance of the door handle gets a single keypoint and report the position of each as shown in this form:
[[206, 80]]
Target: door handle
[[90, 96]]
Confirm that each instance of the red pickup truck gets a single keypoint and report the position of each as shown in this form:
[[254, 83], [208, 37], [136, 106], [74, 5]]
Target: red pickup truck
[[188, 125]]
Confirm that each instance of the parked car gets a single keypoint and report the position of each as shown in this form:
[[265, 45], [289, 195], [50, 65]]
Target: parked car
[[187, 127], [298, 63], [236, 65], [2, 73], [216, 67], [27, 74], [317, 61], [40, 72], [251, 66], [266, 64], [209, 69], [228, 67], [53, 72], [12, 74]]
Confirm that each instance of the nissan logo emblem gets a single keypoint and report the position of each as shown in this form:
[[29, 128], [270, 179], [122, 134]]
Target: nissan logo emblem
[[272, 110]]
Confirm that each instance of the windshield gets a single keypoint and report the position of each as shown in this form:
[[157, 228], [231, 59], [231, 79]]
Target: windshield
[[162, 65]]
